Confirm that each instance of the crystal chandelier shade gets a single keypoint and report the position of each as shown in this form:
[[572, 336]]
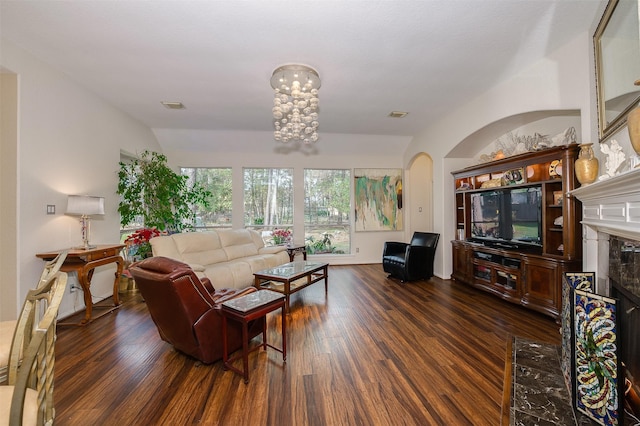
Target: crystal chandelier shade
[[295, 103]]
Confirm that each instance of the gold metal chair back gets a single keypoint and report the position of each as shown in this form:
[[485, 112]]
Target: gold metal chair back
[[32, 357]]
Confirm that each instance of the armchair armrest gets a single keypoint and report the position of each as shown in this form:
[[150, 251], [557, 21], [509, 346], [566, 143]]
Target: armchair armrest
[[392, 248], [271, 249], [419, 252]]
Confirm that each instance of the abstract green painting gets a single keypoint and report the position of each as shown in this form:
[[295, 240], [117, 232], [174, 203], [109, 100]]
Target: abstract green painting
[[378, 199]]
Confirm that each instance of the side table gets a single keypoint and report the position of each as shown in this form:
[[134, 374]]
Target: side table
[[83, 262], [293, 249], [247, 308]]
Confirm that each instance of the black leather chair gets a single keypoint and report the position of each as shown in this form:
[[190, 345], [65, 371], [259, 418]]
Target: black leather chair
[[413, 261]]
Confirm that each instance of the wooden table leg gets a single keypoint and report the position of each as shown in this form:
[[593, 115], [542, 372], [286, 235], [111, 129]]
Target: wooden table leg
[[225, 348], [326, 279], [287, 294], [284, 334], [264, 332], [116, 282], [245, 350], [84, 278]]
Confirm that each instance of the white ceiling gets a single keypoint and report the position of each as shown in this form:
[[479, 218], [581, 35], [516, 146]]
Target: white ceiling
[[425, 57]]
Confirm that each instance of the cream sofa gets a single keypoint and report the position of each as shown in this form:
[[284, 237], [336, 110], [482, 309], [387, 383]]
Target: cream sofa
[[227, 257]]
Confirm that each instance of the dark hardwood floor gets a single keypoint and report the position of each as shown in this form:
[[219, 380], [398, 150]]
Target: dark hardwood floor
[[372, 352]]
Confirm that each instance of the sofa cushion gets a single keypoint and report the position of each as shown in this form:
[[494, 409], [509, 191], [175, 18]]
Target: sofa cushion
[[199, 248], [257, 263], [165, 246], [257, 238], [232, 274], [30, 412], [237, 243]]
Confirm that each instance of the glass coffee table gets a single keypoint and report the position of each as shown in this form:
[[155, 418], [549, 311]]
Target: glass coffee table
[[291, 277]]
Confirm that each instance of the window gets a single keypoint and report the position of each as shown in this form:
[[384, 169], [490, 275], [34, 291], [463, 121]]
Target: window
[[326, 211], [125, 231], [219, 182], [268, 200]]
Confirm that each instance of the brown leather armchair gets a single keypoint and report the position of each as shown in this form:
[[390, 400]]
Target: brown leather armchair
[[413, 261], [186, 310]]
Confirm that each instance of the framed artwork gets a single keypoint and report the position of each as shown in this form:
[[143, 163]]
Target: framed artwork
[[597, 378], [585, 281], [378, 199], [557, 198]]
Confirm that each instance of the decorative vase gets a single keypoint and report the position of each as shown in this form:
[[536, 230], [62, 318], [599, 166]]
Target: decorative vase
[[633, 125], [586, 165]]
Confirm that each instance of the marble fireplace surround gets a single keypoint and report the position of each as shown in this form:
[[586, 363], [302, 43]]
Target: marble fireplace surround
[[609, 207]]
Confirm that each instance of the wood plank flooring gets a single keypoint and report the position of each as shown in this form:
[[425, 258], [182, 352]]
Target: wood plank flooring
[[371, 352]]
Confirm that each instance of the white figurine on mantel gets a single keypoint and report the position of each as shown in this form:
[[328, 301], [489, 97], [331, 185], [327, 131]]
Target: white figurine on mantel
[[615, 157]]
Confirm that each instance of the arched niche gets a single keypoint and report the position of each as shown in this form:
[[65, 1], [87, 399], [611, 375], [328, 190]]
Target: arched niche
[[548, 122]]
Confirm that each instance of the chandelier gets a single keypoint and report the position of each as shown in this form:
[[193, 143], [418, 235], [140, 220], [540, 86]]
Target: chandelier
[[295, 103]]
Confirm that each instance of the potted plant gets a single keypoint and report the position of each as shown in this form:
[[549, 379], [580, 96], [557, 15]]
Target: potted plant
[[138, 245], [150, 189], [281, 236]]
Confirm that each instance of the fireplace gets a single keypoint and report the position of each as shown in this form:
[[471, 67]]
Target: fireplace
[[624, 278], [611, 243]]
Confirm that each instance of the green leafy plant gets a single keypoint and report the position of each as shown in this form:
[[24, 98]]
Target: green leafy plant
[[319, 246], [150, 189]]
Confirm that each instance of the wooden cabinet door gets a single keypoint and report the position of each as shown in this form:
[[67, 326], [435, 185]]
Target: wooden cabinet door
[[461, 262], [541, 286]]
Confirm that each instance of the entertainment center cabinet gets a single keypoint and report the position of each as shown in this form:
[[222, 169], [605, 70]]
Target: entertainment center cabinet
[[522, 272]]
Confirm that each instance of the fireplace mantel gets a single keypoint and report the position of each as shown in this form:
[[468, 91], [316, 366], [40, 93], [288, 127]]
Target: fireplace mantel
[[612, 206]]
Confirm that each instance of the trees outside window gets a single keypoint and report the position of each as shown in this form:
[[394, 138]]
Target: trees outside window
[[218, 181], [268, 200], [269, 204], [326, 210]]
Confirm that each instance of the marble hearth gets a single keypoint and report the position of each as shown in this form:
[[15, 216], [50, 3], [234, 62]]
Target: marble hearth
[[537, 392]]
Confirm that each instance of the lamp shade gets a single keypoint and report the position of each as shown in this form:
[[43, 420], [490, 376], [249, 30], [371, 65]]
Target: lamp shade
[[85, 205]]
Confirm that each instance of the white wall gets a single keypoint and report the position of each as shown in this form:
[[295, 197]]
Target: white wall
[[370, 244], [8, 185], [69, 142], [560, 81]]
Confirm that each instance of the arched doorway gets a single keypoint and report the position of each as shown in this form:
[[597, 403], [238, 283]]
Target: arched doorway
[[419, 190]]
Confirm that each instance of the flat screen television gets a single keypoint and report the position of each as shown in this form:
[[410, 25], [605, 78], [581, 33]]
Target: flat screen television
[[511, 217]]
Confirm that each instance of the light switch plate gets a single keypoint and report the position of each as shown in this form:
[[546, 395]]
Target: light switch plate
[[51, 209]]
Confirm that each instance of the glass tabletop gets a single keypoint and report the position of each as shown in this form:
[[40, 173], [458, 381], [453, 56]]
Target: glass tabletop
[[291, 269], [252, 301]]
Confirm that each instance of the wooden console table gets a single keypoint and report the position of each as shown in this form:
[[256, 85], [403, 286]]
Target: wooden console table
[[83, 262]]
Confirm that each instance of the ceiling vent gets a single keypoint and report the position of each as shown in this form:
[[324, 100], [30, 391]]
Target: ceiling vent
[[398, 114], [173, 105]]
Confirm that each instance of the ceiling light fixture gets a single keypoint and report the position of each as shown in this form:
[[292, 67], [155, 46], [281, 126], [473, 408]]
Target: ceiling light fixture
[[295, 103], [173, 105], [398, 114]]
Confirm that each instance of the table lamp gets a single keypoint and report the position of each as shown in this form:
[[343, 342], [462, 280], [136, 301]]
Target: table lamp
[[85, 206]]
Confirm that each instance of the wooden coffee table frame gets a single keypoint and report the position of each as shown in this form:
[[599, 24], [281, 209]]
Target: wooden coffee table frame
[[294, 282]]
